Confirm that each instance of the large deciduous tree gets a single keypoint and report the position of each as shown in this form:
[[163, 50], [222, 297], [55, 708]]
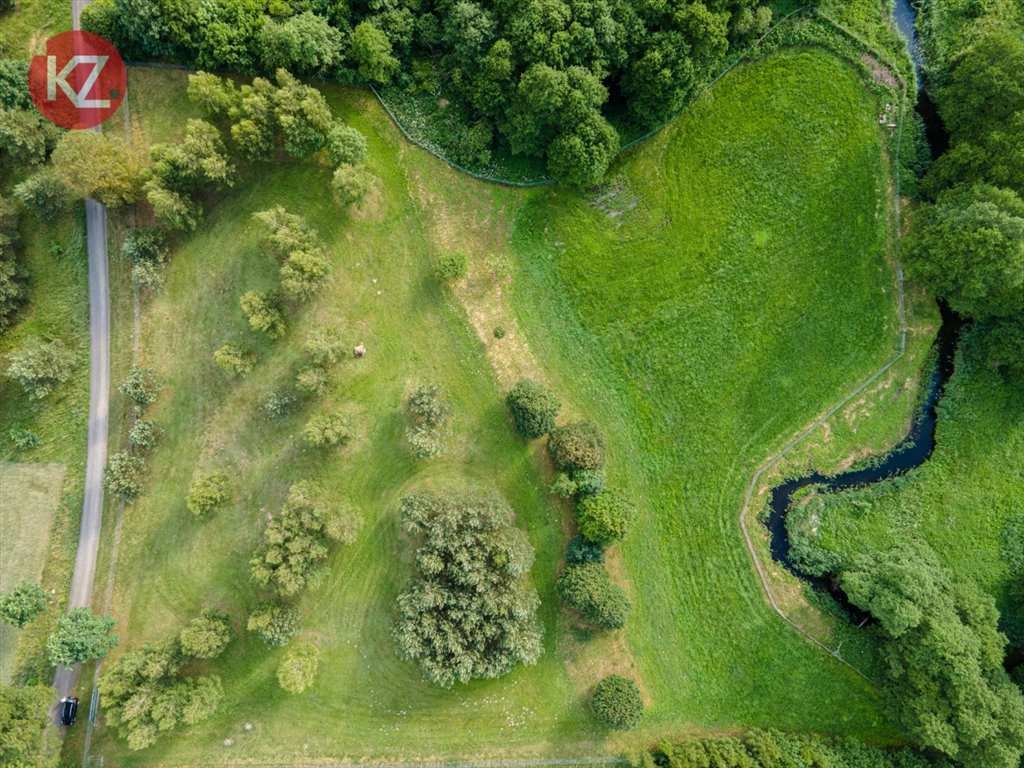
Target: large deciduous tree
[[81, 635], [943, 656], [467, 613]]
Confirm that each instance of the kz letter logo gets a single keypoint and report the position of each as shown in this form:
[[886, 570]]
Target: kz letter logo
[[80, 82]]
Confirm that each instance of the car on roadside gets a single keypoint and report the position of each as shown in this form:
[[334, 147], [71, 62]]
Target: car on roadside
[[68, 710]]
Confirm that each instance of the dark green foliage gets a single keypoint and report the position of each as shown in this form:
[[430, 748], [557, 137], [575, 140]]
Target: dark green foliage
[[26, 137], [577, 446], [141, 386], [772, 749], [588, 588], [22, 603], [296, 540], [969, 248], [583, 550], [533, 407], [605, 517], [533, 75], [80, 636], [943, 657], [13, 77], [451, 267], [23, 718], [234, 360], [44, 193], [40, 367], [1001, 342], [145, 695], [467, 613], [23, 439], [206, 636], [12, 288], [147, 251], [617, 703], [588, 481], [275, 624], [207, 493], [124, 475], [304, 44]]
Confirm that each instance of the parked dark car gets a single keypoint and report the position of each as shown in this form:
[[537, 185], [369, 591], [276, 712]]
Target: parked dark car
[[68, 710]]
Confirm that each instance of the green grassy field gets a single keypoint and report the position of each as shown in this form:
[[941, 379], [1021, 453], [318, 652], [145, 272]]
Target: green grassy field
[[24, 30], [745, 291]]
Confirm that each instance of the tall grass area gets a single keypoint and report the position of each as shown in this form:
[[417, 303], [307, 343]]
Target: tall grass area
[[738, 288], [23, 31], [964, 502]]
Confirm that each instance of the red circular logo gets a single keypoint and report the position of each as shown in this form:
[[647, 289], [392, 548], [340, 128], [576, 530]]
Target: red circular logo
[[79, 82]]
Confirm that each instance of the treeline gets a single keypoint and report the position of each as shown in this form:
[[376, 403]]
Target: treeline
[[967, 241], [773, 749], [540, 78]]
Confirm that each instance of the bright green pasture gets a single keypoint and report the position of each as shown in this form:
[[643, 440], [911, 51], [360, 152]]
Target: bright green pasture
[[743, 290]]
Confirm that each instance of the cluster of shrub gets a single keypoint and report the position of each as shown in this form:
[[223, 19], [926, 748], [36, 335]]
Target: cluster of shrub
[[468, 612], [603, 517], [967, 238], [126, 468], [427, 413], [145, 691], [533, 77], [773, 749]]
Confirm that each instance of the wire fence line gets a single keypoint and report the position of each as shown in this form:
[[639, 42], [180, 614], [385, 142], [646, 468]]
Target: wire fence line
[[901, 346]]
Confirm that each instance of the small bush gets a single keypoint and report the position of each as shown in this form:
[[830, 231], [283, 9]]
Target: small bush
[[206, 636], [124, 475], [143, 435], [533, 408], [499, 332], [350, 185], [588, 588], [564, 487], [207, 493], [141, 386], [589, 481], [606, 516], [451, 267], [617, 703], [324, 347], [263, 311], [275, 624], [346, 145], [40, 367], [326, 430], [577, 446], [278, 403], [23, 439], [234, 360], [299, 668], [313, 380], [583, 550], [428, 413], [23, 603]]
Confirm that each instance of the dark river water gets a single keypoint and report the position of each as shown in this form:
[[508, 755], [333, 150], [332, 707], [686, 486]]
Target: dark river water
[[919, 443]]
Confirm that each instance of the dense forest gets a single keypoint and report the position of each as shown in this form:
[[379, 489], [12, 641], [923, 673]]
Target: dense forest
[[552, 79]]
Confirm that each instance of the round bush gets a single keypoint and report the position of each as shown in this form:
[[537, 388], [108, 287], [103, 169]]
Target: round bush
[[589, 481], [124, 475], [207, 493], [451, 267], [298, 668], [617, 703], [275, 624], [578, 446], [606, 516], [533, 408], [581, 550], [588, 588]]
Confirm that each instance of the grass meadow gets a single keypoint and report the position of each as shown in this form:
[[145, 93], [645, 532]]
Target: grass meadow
[[729, 284]]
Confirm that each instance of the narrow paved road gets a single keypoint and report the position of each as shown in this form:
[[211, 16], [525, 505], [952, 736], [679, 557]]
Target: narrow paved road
[[99, 406]]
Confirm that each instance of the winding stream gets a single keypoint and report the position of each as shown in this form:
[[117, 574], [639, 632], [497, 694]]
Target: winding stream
[[919, 443]]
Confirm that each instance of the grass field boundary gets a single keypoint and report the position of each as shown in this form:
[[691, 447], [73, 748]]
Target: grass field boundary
[[901, 346], [540, 762]]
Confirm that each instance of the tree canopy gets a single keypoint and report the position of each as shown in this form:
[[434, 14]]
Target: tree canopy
[[468, 612], [81, 635]]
